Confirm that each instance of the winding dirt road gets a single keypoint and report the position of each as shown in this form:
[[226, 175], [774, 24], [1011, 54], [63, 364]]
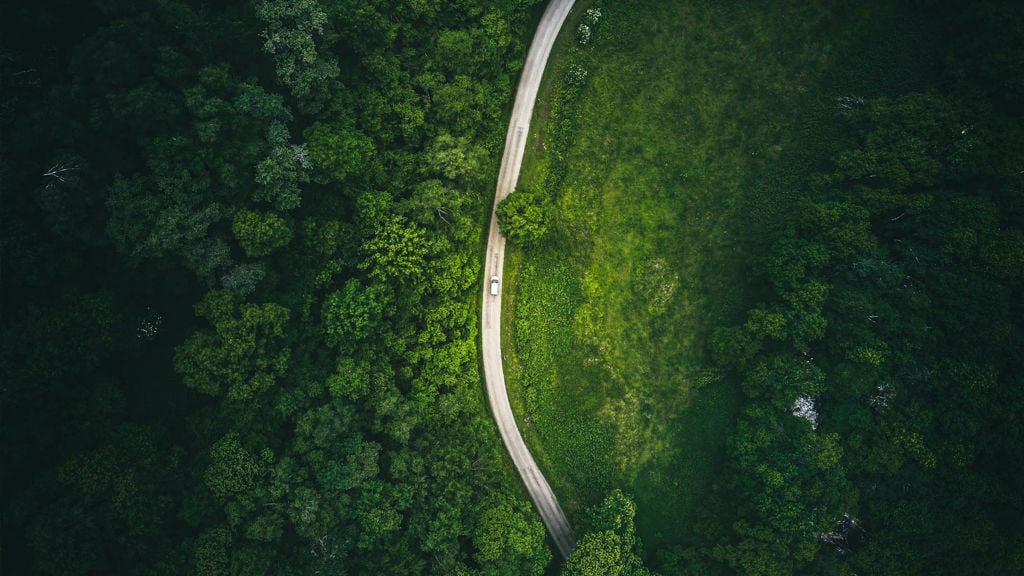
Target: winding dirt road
[[515, 145]]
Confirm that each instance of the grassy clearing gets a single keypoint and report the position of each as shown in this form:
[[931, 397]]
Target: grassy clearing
[[697, 126]]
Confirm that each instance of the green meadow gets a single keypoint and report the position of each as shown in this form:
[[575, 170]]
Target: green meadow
[[694, 127]]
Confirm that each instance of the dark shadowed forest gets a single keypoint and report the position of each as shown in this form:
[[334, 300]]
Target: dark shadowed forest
[[240, 247]]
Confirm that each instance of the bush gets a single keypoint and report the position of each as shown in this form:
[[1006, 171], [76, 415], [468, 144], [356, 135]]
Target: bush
[[525, 216]]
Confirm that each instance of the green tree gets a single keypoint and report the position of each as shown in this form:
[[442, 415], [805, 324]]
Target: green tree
[[610, 545], [906, 141], [212, 556], [260, 233], [338, 151], [734, 346], [793, 260], [148, 219], [353, 313], [764, 323], [280, 174], [243, 278], [243, 355], [598, 554], [843, 228], [434, 205], [233, 469], [509, 543], [107, 501], [804, 317], [525, 215], [451, 157], [294, 36], [396, 251], [781, 378], [459, 104]]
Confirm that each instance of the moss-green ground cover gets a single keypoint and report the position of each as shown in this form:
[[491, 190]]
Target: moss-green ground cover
[[697, 124]]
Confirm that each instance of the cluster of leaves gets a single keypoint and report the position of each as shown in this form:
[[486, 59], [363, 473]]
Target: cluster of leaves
[[321, 411], [609, 546], [525, 215]]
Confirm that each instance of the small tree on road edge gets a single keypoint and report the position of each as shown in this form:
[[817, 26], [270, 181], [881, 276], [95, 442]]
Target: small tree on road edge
[[525, 215]]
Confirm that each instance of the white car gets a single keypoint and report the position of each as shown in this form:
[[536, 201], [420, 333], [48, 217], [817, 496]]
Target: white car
[[494, 285]]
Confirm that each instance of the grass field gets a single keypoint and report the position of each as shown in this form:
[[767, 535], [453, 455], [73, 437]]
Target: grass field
[[697, 126]]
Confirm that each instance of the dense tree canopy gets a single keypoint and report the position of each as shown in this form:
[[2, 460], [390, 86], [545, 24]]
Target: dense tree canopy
[[881, 374], [238, 329]]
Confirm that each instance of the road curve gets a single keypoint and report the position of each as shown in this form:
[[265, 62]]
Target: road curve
[[511, 161]]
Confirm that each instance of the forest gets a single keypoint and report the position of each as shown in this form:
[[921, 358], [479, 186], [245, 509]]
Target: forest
[[239, 262], [891, 326]]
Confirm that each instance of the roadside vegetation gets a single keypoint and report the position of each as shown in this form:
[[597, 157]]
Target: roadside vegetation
[[785, 238]]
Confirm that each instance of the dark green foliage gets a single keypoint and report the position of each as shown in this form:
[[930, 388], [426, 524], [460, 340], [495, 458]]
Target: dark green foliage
[[294, 35], [233, 471], [280, 174], [598, 553], [260, 233], [237, 148], [321, 413], [451, 157], [338, 151], [109, 504], [212, 552], [905, 142], [892, 313], [243, 355]]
